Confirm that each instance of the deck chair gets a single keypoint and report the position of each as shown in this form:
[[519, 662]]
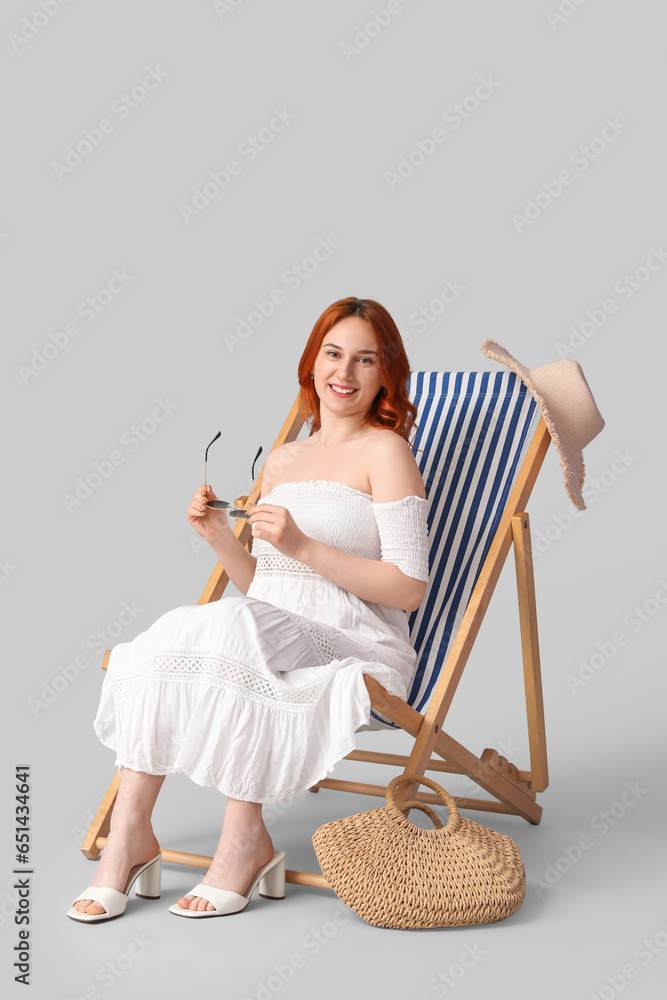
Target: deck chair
[[473, 433]]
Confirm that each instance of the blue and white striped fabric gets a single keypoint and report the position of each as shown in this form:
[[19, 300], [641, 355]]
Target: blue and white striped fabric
[[473, 428]]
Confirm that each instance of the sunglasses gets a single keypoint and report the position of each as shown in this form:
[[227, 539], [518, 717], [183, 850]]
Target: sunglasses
[[230, 508]]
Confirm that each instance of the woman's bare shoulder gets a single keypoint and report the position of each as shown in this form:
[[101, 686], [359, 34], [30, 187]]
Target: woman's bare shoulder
[[385, 434], [387, 443], [277, 461], [393, 470]]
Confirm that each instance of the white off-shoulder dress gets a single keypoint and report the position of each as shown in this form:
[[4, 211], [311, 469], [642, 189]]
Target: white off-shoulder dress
[[260, 695]]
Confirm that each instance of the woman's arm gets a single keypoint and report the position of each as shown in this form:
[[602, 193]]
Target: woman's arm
[[367, 579], [214, 527], [239, 564]]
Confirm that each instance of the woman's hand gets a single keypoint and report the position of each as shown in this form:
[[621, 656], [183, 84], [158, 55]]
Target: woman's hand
[[207, 522], [276, 525]]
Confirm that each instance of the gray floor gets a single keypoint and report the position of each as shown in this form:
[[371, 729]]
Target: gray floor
[[582, 921], [579, 274], [593, 906]]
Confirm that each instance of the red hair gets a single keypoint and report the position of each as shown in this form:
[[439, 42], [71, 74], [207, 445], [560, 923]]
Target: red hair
[[391, 407]]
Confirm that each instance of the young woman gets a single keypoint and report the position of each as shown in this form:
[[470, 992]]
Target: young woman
[[260, 695]]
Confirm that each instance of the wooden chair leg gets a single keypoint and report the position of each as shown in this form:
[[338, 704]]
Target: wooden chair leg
[[494, 779], [102, 823], [530, 650]]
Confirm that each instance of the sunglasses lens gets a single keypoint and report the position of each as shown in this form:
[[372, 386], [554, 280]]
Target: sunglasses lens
[[224, 505]]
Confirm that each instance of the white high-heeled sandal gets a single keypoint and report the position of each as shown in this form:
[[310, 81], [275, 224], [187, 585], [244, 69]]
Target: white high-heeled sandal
[[270, 879], [147, 877]]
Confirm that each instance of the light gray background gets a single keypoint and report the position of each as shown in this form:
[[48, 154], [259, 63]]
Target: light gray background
[[67, 574]]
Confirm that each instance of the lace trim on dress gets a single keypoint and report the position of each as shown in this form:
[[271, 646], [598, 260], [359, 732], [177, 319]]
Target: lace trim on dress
[[276, 564], [322, 643], [403, 529], [226, 673]]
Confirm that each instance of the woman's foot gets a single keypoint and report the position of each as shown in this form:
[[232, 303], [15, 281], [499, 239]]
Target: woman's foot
[[241, 851], [131, 845], [131, 840]]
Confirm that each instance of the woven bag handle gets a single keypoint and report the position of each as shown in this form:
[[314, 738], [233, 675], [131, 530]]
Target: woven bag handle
[[416, 804], [421, 779]]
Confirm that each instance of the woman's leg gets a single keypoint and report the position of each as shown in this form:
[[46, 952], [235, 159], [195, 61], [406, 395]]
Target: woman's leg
[[131, 840], [244, 846]]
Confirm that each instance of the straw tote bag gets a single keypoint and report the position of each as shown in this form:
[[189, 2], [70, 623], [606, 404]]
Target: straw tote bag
[[393, 873]]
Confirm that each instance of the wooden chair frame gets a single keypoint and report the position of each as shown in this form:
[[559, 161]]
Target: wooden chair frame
[[514, 790]]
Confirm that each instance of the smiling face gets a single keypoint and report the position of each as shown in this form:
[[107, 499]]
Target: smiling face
[[348, 359]]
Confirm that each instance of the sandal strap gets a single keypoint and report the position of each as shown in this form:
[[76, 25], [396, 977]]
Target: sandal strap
[[224, 900], [113, 901]]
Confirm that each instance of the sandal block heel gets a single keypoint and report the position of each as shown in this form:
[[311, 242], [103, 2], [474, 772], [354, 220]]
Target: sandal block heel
[[272, 885], [269, 879], [147, 885]]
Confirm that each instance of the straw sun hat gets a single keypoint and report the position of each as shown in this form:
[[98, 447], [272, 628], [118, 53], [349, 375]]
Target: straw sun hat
[[569, 410]]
